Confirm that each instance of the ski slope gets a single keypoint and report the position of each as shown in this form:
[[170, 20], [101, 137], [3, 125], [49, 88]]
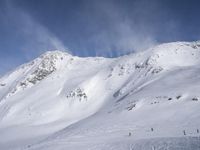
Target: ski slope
[[146, 100]]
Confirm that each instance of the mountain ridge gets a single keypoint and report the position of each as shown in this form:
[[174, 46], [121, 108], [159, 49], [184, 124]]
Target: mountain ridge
[[59, 97]]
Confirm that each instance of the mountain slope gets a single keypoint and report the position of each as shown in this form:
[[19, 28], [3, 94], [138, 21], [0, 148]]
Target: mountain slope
[[59, 101]]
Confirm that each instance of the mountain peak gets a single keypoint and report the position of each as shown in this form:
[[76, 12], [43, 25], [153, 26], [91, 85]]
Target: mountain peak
[[55, 53], [176, 54]]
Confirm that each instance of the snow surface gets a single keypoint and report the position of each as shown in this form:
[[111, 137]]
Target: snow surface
[[144, 101]]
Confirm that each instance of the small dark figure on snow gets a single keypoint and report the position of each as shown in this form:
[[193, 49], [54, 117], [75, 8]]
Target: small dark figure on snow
[[151, 129], [197, 130], [184, 133], [129, 134]]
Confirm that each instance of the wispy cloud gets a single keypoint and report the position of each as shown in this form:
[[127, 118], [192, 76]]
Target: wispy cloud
[[130, 25], [37, 37], [126, 32], [106, 27]]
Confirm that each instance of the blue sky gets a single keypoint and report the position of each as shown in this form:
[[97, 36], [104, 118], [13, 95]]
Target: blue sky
[[92, 27]]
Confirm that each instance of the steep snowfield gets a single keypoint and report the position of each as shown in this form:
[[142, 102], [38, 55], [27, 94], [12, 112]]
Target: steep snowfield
[[149, 100]]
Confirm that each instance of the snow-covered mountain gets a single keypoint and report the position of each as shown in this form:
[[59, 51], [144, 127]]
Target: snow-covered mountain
[[144, 101]]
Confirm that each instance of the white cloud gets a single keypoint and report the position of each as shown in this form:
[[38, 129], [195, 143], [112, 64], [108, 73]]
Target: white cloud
[[37, 37], [126, 32]]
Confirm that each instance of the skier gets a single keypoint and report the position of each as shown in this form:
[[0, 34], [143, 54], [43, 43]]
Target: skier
[[129, 134], [184, 132]]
